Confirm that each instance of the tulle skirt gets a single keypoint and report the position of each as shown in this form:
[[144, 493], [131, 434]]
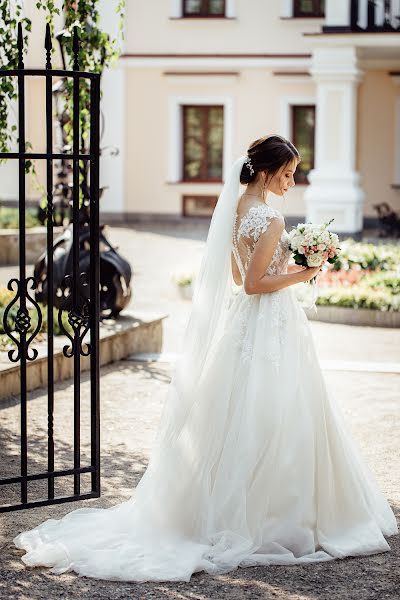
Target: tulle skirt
[[261, 470]]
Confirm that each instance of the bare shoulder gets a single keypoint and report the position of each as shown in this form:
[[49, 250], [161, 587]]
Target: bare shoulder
[[277, 223]]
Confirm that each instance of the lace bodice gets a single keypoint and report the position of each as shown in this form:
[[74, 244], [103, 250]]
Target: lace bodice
[[246, 233]]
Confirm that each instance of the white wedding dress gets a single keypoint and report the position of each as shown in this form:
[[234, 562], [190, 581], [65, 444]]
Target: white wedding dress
[[263, 471]]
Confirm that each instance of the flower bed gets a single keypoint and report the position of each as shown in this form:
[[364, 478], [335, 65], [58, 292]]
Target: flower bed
[[364, 276], [362, 255], [361, 288]]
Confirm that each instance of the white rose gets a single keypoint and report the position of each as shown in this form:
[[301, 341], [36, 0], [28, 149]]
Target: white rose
[[334, 239], [295, 242], [316, 259], [324, 237]]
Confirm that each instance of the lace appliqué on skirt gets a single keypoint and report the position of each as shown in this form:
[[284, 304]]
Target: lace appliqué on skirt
[[272, 321]]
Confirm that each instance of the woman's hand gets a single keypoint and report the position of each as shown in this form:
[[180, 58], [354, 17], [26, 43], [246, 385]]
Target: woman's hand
[[310, 272]]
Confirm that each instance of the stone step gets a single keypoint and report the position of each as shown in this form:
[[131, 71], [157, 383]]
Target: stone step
[[133, 332]]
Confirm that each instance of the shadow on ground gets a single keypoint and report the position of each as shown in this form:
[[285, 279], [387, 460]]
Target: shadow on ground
[[131, 405]]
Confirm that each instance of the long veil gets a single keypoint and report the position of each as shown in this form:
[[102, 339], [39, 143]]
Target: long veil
[[212, 290]]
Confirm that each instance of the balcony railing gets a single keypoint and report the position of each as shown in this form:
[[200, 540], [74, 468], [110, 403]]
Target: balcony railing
[[369, 16]]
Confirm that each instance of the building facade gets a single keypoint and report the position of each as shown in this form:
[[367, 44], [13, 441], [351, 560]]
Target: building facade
[[199, 80]]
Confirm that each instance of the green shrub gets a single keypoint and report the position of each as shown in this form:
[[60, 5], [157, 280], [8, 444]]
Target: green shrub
[[383, 280], [9, 218], [361, 255], [360, 297]]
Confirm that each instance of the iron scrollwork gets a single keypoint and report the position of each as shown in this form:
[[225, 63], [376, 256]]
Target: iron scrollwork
[[22, 320], [78, 315]]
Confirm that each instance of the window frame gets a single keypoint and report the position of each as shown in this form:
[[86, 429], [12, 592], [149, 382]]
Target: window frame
[[302, 180], [210, 200], [206, 179], [316, 12], [204, 11]]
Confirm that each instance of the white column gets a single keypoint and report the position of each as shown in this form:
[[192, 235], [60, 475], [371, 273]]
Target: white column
[[334, 190]]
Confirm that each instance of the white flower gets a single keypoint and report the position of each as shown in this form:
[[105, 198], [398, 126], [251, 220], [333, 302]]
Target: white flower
[[296, 241], [334, 239], [316, 259], [324, 237], [309, 239]]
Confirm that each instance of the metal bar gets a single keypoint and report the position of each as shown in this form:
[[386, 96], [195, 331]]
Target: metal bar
[[22, 265], [50, 278], [75, 278], [42, 73], [371, 15], [28, 155], [94, 283], [47, 475], [62, 500], [353, 15]]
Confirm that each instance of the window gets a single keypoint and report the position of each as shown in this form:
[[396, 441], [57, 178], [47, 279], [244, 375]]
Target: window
[[203, 138], [303, 136], [309, 8], [203, 8], [198, 206]]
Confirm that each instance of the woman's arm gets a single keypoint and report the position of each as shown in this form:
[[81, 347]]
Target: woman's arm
[[292, 268], [256, 281]]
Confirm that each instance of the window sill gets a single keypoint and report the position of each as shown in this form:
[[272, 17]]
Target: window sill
[[302, 17], [195, 17], [196, 182]]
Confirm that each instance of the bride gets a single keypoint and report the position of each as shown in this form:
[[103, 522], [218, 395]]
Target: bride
[[253, 463]]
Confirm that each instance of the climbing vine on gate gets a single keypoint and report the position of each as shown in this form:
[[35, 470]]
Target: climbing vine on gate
[[96, 52]]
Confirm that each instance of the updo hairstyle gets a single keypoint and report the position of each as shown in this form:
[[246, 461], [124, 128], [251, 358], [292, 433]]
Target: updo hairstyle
[[269, 153]]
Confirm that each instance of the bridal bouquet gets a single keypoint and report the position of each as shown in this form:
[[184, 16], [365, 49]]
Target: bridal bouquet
[[312, 244]]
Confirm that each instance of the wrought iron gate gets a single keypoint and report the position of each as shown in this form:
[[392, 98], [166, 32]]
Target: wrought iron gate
[[80, 291]]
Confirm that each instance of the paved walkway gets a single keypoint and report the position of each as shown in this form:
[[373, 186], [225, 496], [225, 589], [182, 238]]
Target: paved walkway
[[359, 365]]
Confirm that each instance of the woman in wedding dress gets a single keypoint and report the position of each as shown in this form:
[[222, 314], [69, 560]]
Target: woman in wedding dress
[[253, 463]]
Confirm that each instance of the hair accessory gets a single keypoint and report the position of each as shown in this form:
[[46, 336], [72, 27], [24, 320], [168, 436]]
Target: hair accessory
[[249, 165]]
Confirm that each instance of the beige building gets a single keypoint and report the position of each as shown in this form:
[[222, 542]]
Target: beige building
[[199, 80]]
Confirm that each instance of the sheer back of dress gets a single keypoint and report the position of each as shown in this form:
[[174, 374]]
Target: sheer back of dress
[[247, 229]]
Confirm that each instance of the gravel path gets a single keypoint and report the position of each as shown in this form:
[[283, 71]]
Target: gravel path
[[129, 422], [132, 397]]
